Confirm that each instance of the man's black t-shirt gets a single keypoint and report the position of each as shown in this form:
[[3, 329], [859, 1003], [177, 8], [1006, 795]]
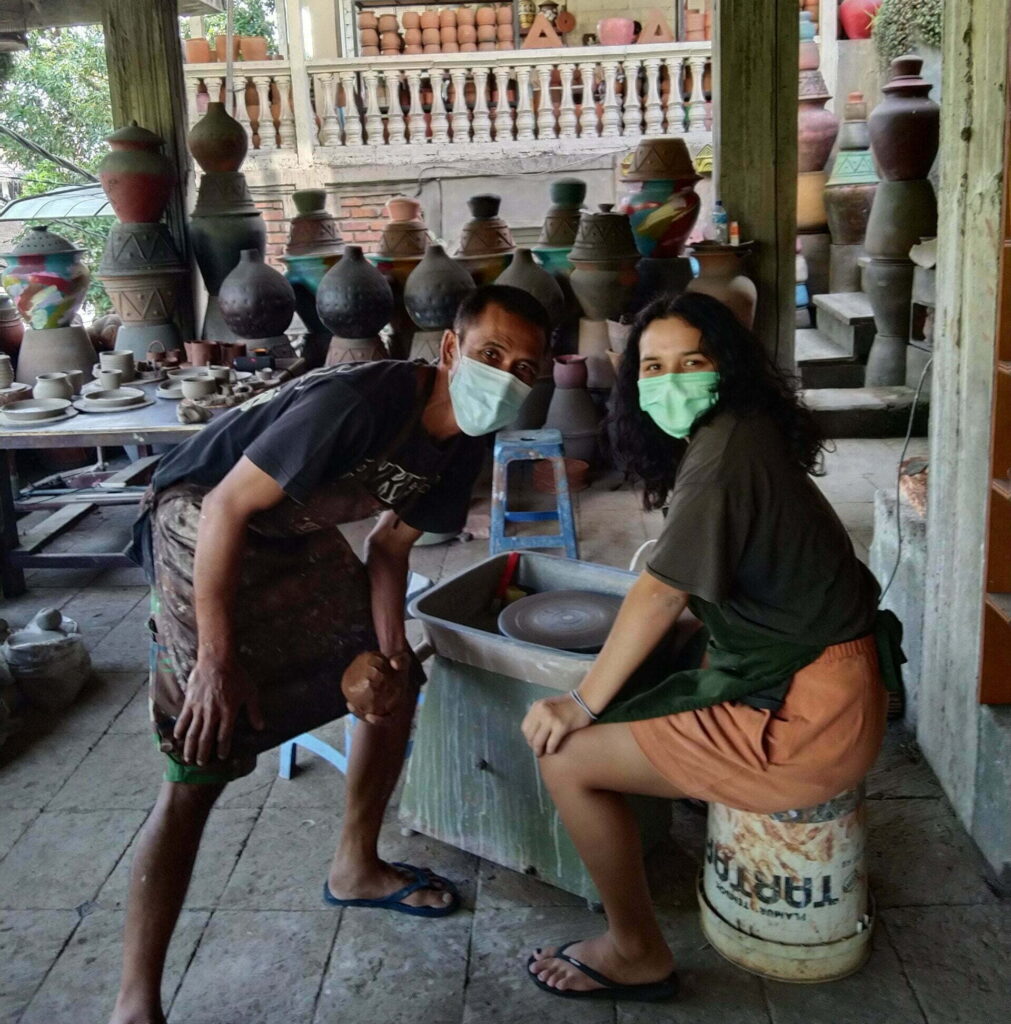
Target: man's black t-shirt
[[331, 423]]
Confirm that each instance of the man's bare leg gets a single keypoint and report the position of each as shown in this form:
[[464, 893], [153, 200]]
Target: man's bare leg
[[159, 878], [377, 758]]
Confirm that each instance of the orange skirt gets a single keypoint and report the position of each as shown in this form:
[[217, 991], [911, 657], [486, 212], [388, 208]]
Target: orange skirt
[[822, 741]]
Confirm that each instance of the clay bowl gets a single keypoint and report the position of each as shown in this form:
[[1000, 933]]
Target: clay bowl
[[198, 387], [115, 398], [37, 409]]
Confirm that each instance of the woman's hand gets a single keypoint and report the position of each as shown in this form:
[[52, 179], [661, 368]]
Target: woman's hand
[[215, 692], [550, 720], [374, 685]]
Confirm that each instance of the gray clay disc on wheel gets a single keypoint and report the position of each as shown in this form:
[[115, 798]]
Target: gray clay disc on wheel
[[568, 620]]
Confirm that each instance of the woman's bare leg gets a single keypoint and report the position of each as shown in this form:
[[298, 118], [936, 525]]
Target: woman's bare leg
[[586, 779]]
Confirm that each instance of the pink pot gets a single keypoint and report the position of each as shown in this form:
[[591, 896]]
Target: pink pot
[[856, 17], [570, 371], [616, 31], [400, 208]]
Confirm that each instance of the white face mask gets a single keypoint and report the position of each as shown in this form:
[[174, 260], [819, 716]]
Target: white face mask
[[484, 398]]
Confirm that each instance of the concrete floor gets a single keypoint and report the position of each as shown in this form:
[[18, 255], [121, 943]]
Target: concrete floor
[[255, 945]]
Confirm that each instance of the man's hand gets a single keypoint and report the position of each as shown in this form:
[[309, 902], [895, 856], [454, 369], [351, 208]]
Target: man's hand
[[550, 720], [374, 685], [215, 693]]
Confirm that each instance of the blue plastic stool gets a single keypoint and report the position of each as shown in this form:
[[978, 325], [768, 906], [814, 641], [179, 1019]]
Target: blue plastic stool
[[531, 446]]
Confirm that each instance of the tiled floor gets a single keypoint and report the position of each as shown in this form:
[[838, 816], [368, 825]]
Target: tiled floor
[[255, 946]]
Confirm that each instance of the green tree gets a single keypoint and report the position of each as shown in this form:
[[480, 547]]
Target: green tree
[[251, 18]]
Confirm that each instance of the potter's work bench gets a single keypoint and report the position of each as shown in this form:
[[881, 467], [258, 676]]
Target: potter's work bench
[[153, 425]]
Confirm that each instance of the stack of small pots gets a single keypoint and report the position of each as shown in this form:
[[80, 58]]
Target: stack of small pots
[[816, 132], [141, 270], [604, 279], [561, 223], [904, 133], [433, 292], [849, 195], [486, 244], [314, 246], [355, 302], [225, 220], [662, 208]]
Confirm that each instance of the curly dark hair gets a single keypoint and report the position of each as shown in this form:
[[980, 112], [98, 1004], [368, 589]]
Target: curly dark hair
[[750, 384]]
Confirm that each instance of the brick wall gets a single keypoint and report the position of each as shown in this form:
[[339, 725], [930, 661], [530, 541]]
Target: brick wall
[[272, 211], [362, 219]]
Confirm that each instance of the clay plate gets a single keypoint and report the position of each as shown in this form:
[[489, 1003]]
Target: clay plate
[[115, 398], [36, 409], [567, 620]]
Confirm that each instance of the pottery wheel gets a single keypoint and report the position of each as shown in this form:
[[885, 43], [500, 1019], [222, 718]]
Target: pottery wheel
[[568, 620]]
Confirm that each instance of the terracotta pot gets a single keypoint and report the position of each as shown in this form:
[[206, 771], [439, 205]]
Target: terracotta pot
[[485, 47], [46, 279], [447, 34], [569, 371], [467, 47], [413, 48], [404, 238], [903, 212], [616, 31], [411, 19], [255, 300], [12, 328], [432, 48], [435, 289], [354, 300], [811, 214], [136, 176], [447, 18], [370, 37], [464, 16], [400, 208], [466, 34], [525, 274], [313, 229], [388, 23], [370, 51], [221, 48], [504, 33], [604, 236], [218, 242], [391, 41], [253, 47], [446, 48], [485, 16], [486, 33], [197, 50], [368, 20], [486, 233], [856, 17], [603, 288], [217, 141], [412, 37], [904, 127], [720, 276], [816, 127], [664, 159]]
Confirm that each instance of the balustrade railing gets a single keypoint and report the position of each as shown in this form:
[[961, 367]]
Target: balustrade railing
[[586, 96]]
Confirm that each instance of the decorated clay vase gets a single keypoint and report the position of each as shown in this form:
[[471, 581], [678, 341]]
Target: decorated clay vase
[[136, 176], [525, 274], [435, 289], [353, 299], [313, 229], [46, 278], [485, 233], [217, 141], [721, 277], [12, 328], [905, 126], [562, 219], [659, 159], [816, 127], [605, 235], [255, 300], [661, 214], [405, 234]]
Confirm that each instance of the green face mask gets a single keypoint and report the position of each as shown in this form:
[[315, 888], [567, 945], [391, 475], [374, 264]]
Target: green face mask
[[676, 400]]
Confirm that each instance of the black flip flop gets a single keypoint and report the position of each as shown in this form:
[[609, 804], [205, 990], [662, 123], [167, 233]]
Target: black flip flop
[[422, 879], [653, 992]]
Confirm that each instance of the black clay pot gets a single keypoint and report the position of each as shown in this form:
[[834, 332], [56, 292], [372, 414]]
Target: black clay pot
[[435, 289], [354, 300], [526, 275], [255, 300], [218, 241]]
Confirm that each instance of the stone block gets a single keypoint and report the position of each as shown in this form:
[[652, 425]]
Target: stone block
[[502, 889], [34, 766], [846, 319], [122, 772], [30, 940]]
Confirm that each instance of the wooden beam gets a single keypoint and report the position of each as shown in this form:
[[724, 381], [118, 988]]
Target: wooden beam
[[755, 140], [144, 58]]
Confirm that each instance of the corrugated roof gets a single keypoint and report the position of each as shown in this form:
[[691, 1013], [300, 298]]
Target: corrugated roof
[[65, 201]]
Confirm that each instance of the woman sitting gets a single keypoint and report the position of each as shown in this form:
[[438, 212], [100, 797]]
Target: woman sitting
[[788, 709]]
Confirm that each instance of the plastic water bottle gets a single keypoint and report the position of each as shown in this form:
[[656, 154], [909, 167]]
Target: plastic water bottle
[[721, 224]]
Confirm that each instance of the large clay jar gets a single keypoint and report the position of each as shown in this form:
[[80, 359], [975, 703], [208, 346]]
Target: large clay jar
[[604, 288], [218, 242], [434, 290], [857, 16], [720, 276], [562, 220], [661, 214], [573, 412], [46, 278], [12, 328], [659, 159], [354, 300], [904, 127], [217, 141], [903, 212], [604, 236], [313, 229], [486, 233], [816, 127], [136, 176], [525, 274], [255, 300], [405, 235]]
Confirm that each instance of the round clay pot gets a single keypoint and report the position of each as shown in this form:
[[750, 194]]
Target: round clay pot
[[221, 48], [816, 126], [218, 242], [369, 37], [136, 176], [413, 48], [412, 36], [661, 215], [367, 20], [569, 371], [616, 31], [504, 15], [432, 48], [430, 19], [354, 300], [390, 53], [435, 289], [411, 20], [370, 51], [504, 33], [857, 16], [848, 208], [485, 47], [661, 159], [811, 200], [313, 230], [430, 36], [390, 41], [448, 48], [447, 19], [464, 16], [447, 34], [603, 288], [53, 385], [485, 16], [903, 212], [197, 51], [466, 34], [46, 279], [486, 233], [904, 127], [388, 23], [468, 47], [573, 412], [500, 45], [604, 236], [889, 287], [253, 47], [721, 277], [217, 141], [401, 208], [12, 328], [525, 274], [255, 300], [486, 33]]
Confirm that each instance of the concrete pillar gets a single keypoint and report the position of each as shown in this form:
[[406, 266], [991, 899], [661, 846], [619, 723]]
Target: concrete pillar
[[325, 28]]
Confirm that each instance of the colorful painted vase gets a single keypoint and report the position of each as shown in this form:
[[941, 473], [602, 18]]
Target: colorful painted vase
[[662, 215], [46, 279], [136, 176]]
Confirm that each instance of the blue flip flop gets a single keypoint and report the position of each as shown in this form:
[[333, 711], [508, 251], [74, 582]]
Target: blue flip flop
[[652, 992], [423, 879]]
